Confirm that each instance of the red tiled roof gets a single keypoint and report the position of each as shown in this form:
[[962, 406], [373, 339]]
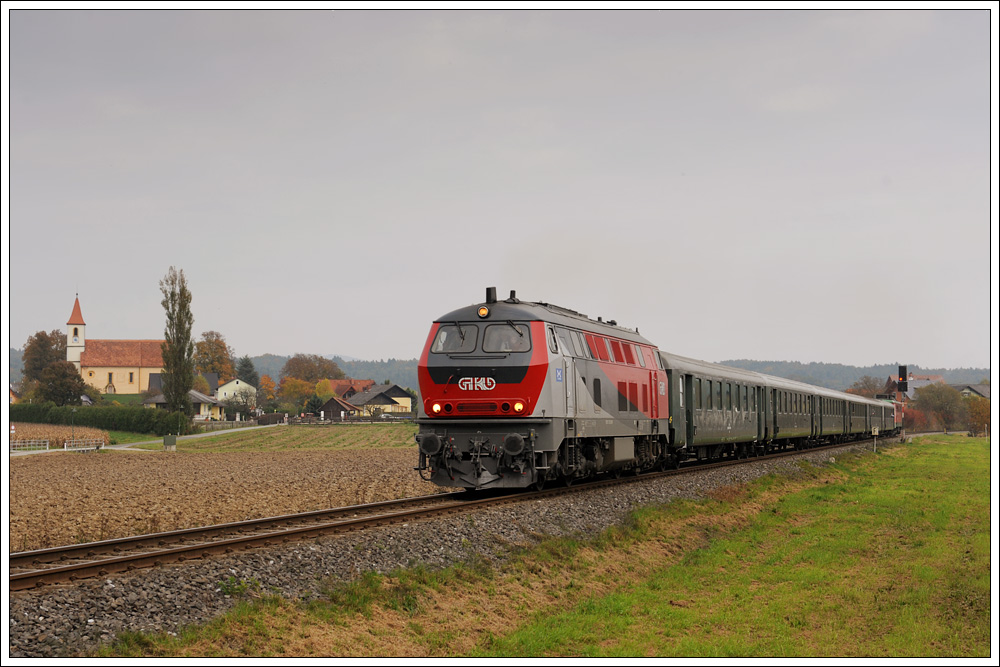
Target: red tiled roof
[[76, 317], [341, 386], [137, 353]]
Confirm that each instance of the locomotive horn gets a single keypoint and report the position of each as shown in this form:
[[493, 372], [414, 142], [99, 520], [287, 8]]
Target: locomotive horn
[[430, 444], [513, 444]]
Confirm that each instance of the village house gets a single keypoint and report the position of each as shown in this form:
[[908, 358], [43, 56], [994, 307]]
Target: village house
[[205, 407], [390, 398]]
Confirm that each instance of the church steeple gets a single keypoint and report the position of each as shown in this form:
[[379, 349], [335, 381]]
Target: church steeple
[[75, 335]]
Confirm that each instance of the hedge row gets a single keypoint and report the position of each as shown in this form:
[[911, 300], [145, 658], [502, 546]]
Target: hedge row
[[108, 418]]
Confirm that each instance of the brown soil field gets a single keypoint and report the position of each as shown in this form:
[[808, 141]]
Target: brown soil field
[[65, 498]]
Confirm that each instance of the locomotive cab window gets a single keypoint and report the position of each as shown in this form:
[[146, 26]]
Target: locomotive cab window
[[454, 338], [507, 338]]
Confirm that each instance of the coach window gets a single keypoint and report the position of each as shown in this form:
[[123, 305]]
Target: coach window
[[680, 391], [697, 393], [717, 402], [729, 396], [746, 404]]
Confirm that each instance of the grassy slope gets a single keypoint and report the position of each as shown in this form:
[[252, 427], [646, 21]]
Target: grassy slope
[[884, 555]]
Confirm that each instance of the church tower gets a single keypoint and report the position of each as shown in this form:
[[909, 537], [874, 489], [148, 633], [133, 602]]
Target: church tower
[[75, 335]]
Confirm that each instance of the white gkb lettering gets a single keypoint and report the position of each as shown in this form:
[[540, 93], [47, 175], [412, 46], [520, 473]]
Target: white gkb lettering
[[477, 384]]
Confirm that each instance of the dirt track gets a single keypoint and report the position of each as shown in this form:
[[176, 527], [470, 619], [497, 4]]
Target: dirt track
[[65, 498]]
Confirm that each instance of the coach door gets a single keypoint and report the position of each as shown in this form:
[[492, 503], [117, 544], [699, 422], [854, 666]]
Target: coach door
[[689, 389]]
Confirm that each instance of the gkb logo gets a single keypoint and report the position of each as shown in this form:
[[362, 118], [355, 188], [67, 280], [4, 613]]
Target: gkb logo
[[477, 384]]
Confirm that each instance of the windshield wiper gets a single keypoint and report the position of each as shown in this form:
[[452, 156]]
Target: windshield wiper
[[519, 332], [461, 334]]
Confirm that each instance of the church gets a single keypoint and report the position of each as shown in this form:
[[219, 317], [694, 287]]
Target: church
[[112, 366]]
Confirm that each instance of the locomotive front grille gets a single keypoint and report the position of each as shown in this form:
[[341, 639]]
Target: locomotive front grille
[[476, 407]]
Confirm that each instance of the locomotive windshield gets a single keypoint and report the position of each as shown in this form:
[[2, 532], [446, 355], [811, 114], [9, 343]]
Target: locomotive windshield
[[507, 337], [455, 338]]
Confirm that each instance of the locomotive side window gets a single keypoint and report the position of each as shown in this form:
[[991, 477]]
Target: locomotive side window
[[581, 346], [622, 397], [633, 396], [597, 392], [506, 338], [638, 354], [553, 345], [567, 343], [455, 338], [629, 354]]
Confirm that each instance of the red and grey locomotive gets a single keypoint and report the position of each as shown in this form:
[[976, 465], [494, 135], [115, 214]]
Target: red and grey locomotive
[[515, 393]]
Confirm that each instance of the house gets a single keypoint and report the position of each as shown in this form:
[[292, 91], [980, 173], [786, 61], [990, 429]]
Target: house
[[349, 387], [336, 409], [205, 407], [390, 398], [979, 390], [15, 396], [230, 389], [111, 366]]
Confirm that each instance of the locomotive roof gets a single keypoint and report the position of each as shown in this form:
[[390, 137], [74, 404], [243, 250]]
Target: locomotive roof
[[728, 372], [515, 309]]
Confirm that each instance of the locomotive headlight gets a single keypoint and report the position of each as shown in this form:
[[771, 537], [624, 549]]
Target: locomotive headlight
[[519, 407], [484, 311], [436, 408]]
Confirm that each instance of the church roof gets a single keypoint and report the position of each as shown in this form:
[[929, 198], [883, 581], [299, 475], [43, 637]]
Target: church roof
[[137, 353], [76, 317]]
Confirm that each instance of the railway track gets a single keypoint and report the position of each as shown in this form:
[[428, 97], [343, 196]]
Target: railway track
[[69, 563]]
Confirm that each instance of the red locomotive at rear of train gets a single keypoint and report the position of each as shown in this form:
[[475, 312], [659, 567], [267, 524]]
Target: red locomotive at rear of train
[[515, 394]]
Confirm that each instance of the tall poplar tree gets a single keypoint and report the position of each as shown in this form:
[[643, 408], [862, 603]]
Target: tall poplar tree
[[177, 347]]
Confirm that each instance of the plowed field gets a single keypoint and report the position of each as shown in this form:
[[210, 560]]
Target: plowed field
[[65, 498]]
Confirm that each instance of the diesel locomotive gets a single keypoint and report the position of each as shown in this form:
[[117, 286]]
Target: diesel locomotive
[[516, 394]]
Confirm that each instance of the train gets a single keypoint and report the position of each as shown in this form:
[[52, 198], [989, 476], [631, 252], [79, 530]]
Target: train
[[518, 394]]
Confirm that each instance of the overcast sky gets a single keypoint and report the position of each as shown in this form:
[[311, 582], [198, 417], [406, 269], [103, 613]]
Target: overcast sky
[[804, 185]]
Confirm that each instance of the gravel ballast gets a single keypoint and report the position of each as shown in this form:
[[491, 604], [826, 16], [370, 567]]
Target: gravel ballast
[[73, 619]]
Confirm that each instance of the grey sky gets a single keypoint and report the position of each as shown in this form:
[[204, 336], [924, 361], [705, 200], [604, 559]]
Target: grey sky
[[806, 185]]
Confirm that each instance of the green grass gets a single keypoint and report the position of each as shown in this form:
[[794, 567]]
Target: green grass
[[300, 437], [125, 437], [882, 555], [893, 561]]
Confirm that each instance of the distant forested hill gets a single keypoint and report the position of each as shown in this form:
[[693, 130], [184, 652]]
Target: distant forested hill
[[840, 377], [16, 366], [398, 371]]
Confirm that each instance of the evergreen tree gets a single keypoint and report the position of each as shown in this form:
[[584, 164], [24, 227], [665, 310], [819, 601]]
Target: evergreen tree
[[246, 371], [177, 348]]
